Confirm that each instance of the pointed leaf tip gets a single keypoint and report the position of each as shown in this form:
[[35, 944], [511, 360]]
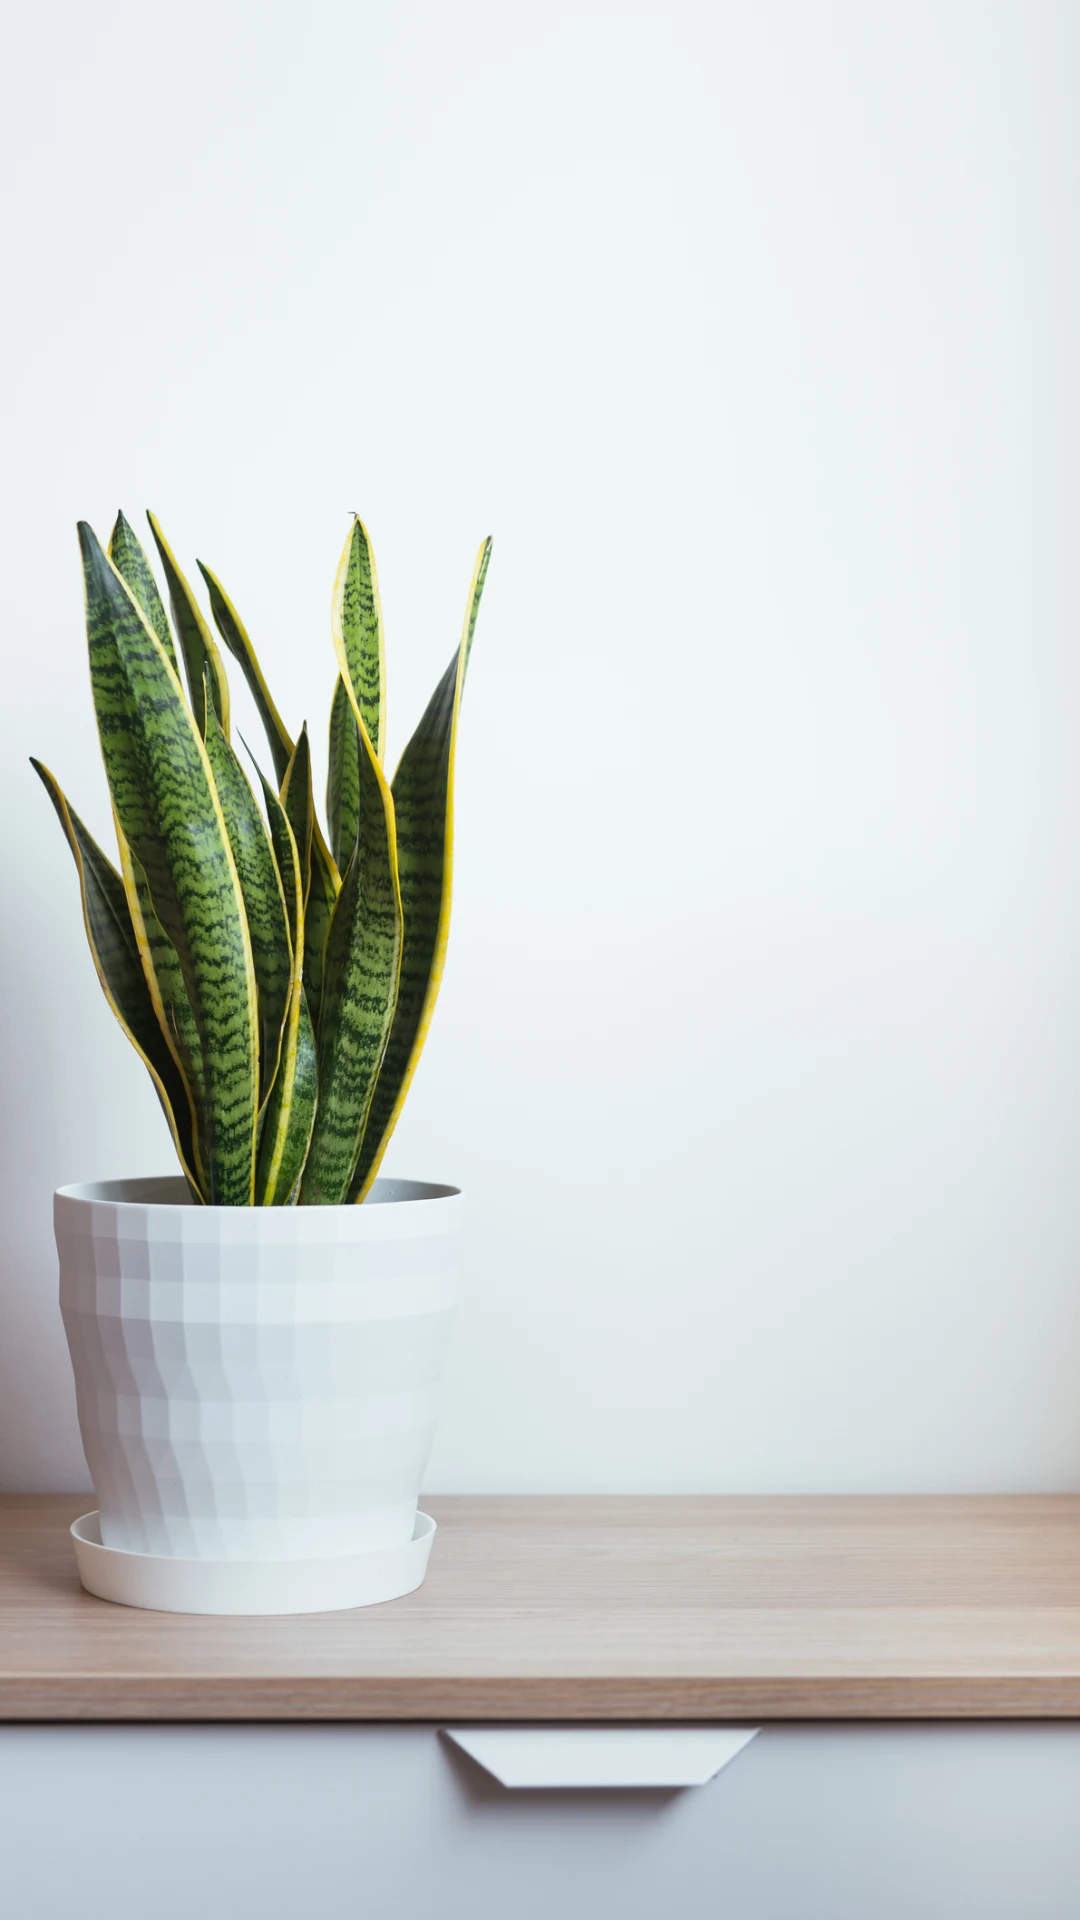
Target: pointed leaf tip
[[122, 529], [197, 644], [423, 794], [168, 811]]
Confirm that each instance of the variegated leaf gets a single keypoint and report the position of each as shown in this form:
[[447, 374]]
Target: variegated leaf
[[197, 643], [423, 790], [169, 996], [321, 881], [290, 1113], [357, 627], [130, 561], [343, 777], [115, 952], [360, 978], [234, 633], [168, 811], [264, 900]]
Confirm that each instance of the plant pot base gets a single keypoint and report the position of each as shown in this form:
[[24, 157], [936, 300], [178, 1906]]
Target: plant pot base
[[250, 1586]]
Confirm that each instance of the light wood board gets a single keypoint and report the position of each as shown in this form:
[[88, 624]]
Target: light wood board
[[596, 1609]]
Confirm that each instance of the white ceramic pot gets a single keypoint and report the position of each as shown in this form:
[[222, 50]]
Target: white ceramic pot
[[256, 1384]]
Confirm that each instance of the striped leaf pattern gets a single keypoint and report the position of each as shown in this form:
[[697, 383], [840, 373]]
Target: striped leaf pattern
[[290, 870], [197, 643], [119, 969], [264, 899], [321, 882], [169, 813], [298, 801], [423, 790], [132, 565], [357, 627], [168, 996], [290, 1115], [234, 633], [343, 777], [322, 894], [279, 1009], [363, 962], [279, 738]]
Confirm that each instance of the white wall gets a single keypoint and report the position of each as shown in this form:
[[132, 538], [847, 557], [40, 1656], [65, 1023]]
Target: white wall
[[750, 331]]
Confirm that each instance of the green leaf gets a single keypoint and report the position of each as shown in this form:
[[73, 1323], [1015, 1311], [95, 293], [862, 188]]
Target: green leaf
[[264, 900], [322, 895], [168, 995], [282, 749], [423, 790], [290, 869], [343, 778], [233, 632], [298, 801], [168, 811], [132, 565], [197, 643], [115, 951], [363, 961], [356, 623], [321, 881], [290, 1114]]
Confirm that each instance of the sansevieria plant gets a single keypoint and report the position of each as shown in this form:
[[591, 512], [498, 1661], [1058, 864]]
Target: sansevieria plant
[[278, 981]]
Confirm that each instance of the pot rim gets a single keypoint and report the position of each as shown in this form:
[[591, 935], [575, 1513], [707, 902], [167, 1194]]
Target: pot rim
[[145, 1193]]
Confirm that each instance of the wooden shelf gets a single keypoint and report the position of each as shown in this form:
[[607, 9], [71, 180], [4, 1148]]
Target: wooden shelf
[[596, 1609]]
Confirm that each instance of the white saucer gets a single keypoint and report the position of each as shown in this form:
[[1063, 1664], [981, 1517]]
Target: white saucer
[[250, 1586]]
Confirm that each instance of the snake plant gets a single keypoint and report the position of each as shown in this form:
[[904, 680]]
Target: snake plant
[[278, 981]]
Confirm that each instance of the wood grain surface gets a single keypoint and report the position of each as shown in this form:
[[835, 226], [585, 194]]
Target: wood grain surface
[[595, 1609]]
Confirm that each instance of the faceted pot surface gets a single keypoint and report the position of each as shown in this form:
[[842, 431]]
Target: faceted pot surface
[[256, 1383]]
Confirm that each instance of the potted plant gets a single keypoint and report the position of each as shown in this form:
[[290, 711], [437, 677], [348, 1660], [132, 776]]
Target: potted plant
[[257, 1342]]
